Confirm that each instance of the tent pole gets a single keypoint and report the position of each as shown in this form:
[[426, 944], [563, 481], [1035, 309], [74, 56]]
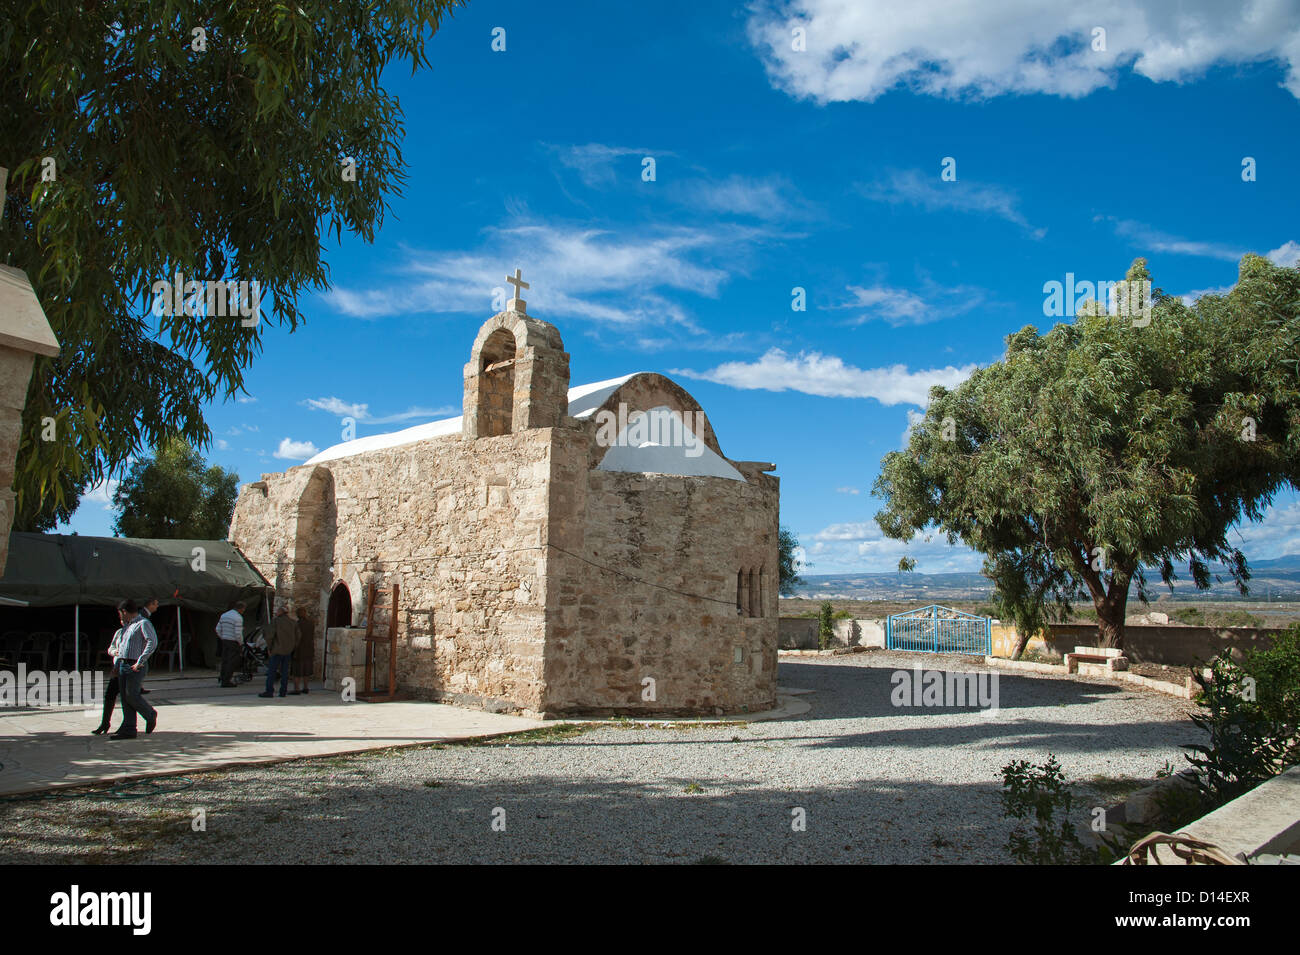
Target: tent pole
[[180, 641]]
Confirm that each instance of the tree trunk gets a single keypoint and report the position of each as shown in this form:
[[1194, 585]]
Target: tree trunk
[[1022, 641], [1111, 610], [1110, 632]]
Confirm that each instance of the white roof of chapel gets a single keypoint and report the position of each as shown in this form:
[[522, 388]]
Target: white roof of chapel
[[639, 451], [583, 402]]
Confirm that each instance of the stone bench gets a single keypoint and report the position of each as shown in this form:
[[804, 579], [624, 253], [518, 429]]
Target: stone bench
[[1100, 661]]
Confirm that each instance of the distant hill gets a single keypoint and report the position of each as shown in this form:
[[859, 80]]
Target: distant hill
[[1277, 579]]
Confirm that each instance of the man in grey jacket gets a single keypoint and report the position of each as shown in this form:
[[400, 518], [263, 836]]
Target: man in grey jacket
[[283, 639], [138, 641]]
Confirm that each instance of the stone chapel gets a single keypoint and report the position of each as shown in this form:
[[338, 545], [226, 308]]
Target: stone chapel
[[559, 550]]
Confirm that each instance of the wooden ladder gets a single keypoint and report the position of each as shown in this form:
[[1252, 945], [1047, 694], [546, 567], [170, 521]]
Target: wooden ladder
[[374, 607]]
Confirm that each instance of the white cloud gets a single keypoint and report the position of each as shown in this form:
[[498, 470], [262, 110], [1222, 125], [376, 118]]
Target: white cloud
[[361, 411], [290, 450], [223, 444], [898, 306], [102, 493], [816, 374], [599, 165], [927, 190], [1153, 240], [1286, 255], [605, 276], [847, 490], [1277, 535], [770, 197], [338, 407], [862, 547], [914, 418], [861, 50], [246, 399]]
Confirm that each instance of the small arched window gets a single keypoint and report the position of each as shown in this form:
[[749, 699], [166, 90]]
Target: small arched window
[[339, 613]]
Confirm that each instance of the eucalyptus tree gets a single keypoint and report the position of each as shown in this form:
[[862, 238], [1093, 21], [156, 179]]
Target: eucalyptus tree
[[148, 141], [1115, 447]]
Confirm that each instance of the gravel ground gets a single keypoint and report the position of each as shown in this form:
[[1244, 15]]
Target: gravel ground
[[876, 783]]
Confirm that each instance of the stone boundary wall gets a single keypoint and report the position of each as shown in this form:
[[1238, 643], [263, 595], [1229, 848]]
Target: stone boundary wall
[[800, 633], [1170, 645]]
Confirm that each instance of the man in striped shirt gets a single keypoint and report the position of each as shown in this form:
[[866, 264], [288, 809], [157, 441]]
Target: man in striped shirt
[[230, 634], [137, 642]]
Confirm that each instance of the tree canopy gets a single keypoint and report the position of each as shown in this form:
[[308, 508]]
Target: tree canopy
[[1111, 447], [788, 563], [175, 495], [147, 139]]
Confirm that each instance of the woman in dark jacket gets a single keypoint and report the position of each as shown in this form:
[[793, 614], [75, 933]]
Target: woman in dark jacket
[[304, 654], [111, 689]]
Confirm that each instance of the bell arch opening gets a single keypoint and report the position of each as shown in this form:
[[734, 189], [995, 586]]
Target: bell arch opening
[[496, 389]]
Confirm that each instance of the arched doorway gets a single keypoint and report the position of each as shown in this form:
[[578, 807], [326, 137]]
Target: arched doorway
[[340, 607]]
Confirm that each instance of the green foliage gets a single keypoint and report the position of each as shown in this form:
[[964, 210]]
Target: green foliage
[[787, 566], [1041, 796], [1235, 618], [1026, 593], [175, 495], [1101, 447], [1251, 711], [825, 626], [1196, 617], [224, 163]]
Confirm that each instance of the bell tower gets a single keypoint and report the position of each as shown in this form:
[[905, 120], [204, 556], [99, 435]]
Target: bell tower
[[518, 373]]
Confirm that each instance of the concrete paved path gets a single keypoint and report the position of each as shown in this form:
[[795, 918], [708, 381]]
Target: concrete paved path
[[202, 727]]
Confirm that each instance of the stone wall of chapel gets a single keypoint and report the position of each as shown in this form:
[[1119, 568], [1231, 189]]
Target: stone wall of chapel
[[643, 585], [459, 526], [284, 524]]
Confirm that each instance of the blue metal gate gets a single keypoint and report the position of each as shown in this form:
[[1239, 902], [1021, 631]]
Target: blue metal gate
[[936, 629]]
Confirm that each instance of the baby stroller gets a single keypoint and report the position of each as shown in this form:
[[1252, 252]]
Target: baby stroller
[[254, 656]]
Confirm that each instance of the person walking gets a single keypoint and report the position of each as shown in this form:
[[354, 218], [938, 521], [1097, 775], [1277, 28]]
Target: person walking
[[230, 636], [148, 608], [112, 688], [304, 654], [137, 643], [283, 639]]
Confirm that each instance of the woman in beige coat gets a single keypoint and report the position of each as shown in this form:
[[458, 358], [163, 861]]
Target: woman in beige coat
[[304, 653]]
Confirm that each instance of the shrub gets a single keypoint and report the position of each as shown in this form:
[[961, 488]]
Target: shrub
[[1235, 618], [825, 626], [1251, 711], [1041, 794]]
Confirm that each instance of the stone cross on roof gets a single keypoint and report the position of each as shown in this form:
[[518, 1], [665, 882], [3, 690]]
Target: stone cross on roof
[[517, 304]]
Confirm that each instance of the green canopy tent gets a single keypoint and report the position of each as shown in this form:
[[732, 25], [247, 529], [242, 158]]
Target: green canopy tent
[[53, 570]]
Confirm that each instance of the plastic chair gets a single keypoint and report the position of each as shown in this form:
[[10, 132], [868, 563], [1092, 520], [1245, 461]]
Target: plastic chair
[[167, 648], [38, 648], [68, 649], [11, 645]]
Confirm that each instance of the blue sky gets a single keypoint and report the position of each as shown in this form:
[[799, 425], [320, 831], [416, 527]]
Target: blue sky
[[776, 168]]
